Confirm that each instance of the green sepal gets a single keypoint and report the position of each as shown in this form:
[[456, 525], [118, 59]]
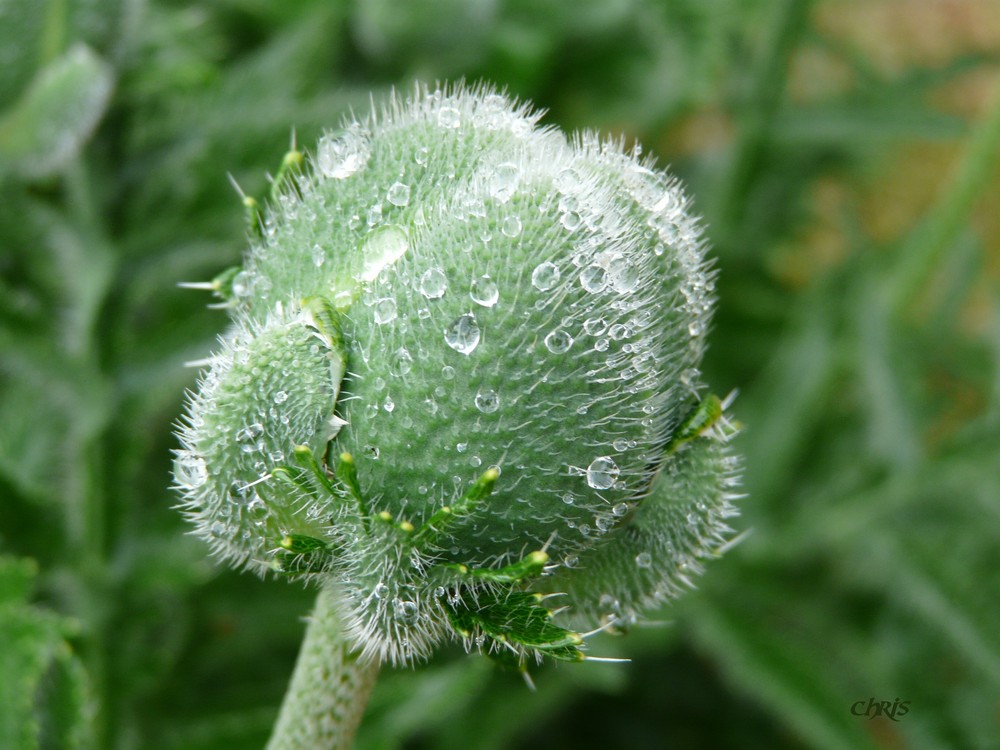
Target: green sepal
[[478, 492], [517, 619], [531, 566]]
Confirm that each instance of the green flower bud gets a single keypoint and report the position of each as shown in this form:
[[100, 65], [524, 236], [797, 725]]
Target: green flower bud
[[497, 330]]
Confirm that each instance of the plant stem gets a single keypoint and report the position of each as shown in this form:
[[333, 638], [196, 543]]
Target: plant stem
[[329, 689]]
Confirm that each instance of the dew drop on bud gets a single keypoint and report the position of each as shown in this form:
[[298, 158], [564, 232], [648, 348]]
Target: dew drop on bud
[[511, 226], [463, 334], [484, 291], [449, 117], [385, 310], [340, 158], [602, 473], [558, 342], [545, 276], [487, 400], [433, 283], [593, 278], [399, 194]]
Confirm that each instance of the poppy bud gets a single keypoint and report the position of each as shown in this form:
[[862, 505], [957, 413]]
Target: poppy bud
[[461, 340]]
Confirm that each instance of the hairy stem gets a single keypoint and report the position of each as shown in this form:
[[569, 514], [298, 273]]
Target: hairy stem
[[329, 690]]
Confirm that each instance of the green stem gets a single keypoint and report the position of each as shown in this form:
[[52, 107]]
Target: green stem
[[330, 687]]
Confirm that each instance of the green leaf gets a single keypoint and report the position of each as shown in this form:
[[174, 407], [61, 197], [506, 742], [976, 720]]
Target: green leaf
[[44, 697], [56, 115]]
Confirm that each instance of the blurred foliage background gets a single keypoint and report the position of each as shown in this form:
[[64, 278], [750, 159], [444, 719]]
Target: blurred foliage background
[[845, 155]]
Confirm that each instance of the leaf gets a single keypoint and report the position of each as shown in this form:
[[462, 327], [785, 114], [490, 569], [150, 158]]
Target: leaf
[[44, 696], [56, 115]]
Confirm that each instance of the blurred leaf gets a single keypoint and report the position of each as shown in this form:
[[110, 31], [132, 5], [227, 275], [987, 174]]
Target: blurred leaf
[[57, 113], [44, 698]]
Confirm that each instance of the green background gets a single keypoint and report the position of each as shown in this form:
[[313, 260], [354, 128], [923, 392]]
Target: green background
[[845, 157]]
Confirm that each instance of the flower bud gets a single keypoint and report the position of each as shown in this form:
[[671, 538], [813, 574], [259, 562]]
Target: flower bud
[[446, 288]]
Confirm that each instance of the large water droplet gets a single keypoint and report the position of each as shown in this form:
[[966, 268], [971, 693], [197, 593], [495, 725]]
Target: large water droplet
[[463, 334], [602, 473], [342, 157], [383, 248], [402, 362], [593, 278], [399, 194], [385, 310], [433, 283], [504, 181], [558, 341], [511, 226], [545, 276], [487, 400], [190, 472], [484, 291], [449, 117]]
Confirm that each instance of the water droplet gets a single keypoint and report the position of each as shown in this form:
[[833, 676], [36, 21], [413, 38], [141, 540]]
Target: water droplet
[[690, 376], [595, 326], [448, 372], [342, 157], [593, 278], [190, 472], [318, 256], [462, 447], [449, 117], [280, 397], [545, 276], [603, 521], [569, 498], [643, 560], [433, 283], [504, 181], [243, 284], [405, 611], [602, 473], [622, 274], [618, 331], [399, 194], [382, 249], [380, 590], [601, 345], [484, 291], [487, 400], [695, 328], [571, 220], [375, 215], [463, 334], [558, 341], [620, 509], [388, 404], [620, 444], [511, 226], [385, 310], [402, 362]]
